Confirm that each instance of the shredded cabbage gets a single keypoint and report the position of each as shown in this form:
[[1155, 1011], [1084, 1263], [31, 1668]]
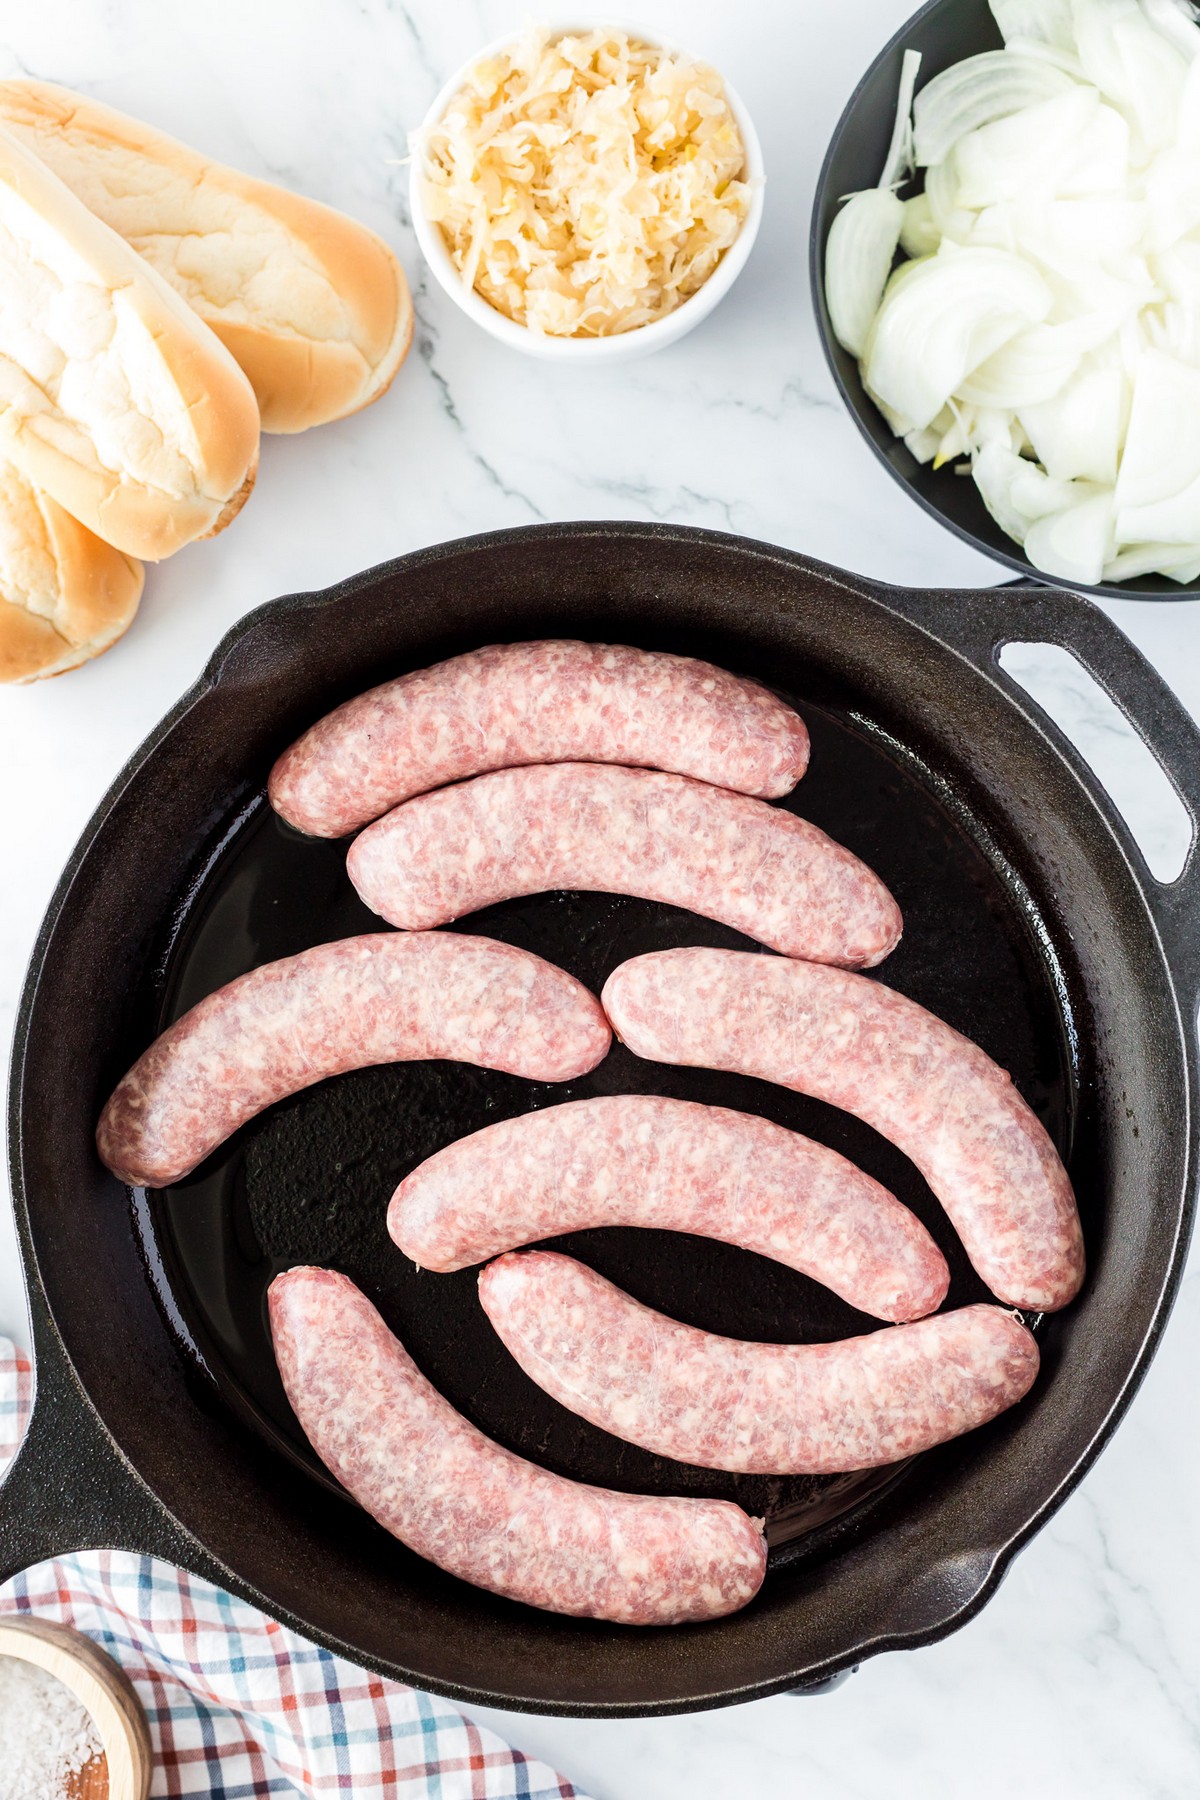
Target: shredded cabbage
[[1046, 325], [586, 185]]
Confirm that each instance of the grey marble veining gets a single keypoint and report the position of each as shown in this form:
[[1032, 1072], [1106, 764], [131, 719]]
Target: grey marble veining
[[1081, 1680]]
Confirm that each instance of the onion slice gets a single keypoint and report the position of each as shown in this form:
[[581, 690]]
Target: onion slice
[[1037, 364], [941, 318], [1178, 562], [1132, 64], [1075, 544], [919, 234], [1176, 21], [1017, 492], [898, 163], [1158, 487], [1077, 436], [1035, 21], [858, 260], [976, 92], [1060, 148]]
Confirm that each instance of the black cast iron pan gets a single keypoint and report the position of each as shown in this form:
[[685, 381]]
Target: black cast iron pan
[[1032, 923]]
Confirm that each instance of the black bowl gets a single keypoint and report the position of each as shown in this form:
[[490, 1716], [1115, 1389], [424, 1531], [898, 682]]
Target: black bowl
[[944, 31]]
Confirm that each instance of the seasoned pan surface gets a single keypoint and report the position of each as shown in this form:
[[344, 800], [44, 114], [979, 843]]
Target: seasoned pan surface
[[310, 1180]]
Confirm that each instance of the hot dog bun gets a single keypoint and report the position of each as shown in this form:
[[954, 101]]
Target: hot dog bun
[[115, 399], [313, 306], [64, 594]]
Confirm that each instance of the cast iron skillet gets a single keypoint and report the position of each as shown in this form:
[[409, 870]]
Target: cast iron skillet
[[1032, 922], [944, 31]]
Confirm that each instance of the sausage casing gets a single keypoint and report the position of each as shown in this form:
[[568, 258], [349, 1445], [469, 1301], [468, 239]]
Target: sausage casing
[[860, 1045], [552, 701], [385, 997], [768, 1409], [625, 831], [474, 1508], [671, 1165]]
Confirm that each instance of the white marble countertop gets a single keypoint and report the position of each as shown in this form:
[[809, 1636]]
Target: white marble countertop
[[1082, 1678]]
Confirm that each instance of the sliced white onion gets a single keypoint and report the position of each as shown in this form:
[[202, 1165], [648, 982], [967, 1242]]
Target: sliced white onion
[[1078, 435], [1045, 330], [1179, 562], [996, 425], [1176, 21], [919, 234], [1016, 492], [943, 320], [1132, 64], [1066, 60], [975, 92], [1172, 196], [1061, 148], [1175, 520], [990, 470], [858, 260], [941, 193], [1036, 364], [1097, 230], [1188, 119], [925, 443], [901, 426], [1082, 286], [897, 164], [1038, 21], [1175, 330], [1177, 272], [1074, 545], [1162, 447]]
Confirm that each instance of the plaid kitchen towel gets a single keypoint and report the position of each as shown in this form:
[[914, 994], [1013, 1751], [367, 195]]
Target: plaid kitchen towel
[[241, 1708]]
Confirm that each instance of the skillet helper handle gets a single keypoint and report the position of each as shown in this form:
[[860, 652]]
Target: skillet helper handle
[[980, 623], [69, 1488]]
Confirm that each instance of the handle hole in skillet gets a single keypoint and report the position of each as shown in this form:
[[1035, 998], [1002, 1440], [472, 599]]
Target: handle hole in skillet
[[1124, 764]]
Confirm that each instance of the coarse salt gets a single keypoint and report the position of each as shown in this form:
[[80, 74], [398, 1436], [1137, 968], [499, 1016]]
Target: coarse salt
[[46, 1734]]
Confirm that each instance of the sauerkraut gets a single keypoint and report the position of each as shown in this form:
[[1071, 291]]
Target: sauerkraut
[[586, 185]]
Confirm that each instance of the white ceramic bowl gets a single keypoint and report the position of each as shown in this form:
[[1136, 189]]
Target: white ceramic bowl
[[624, 346]]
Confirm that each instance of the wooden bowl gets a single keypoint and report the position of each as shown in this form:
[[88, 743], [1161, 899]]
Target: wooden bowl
[[122, 1770]]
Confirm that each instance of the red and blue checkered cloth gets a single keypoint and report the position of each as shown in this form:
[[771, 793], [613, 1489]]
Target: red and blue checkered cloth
[[241, 1708]]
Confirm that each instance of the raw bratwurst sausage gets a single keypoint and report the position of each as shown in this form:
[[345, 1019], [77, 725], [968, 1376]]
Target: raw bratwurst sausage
[[672, 1165], [763, 1409], [557, 701], [859, 1045], [625, 831], [479, 1511], [375, 999]]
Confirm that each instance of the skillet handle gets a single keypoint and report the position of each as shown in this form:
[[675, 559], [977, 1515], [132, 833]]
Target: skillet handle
[[69, 1487], [979, 624]]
